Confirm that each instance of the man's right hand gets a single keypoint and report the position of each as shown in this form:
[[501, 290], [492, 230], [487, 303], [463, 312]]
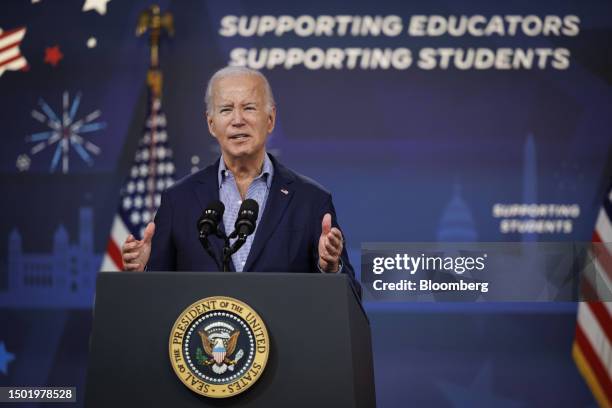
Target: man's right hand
[[136, 253]]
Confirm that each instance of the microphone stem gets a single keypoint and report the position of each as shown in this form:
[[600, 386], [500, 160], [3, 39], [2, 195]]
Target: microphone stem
[[228, 250], [226, 253], [206, 246]]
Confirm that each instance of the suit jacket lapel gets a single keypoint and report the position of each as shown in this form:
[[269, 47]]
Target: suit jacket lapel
[[207, 190], [279, 196]]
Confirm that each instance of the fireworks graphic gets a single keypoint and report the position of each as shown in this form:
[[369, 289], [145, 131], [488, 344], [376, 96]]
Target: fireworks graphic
[[64, 133]]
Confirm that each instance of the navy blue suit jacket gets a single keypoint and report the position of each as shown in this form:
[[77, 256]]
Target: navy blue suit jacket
[[286, 239]]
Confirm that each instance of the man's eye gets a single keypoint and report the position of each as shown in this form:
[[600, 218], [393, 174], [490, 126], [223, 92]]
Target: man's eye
[[225, 110], [250, 108]]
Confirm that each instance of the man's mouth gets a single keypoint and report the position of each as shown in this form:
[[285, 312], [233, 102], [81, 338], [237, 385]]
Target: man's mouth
[[239, 136]]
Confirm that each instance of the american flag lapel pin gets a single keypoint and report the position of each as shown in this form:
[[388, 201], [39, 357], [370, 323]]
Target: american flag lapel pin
[[285, 192]]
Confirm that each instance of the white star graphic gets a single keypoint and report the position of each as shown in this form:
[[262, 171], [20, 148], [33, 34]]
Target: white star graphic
[[23, 162], [98, 5], [92, 42]]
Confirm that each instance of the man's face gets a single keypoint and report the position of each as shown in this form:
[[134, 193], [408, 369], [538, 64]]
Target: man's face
[[239, 119]]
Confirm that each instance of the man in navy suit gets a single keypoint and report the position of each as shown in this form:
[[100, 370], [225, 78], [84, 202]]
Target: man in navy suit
[[296, 228]]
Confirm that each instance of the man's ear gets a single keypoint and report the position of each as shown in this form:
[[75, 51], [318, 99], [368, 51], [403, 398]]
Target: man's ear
[[211, 128], [271, 119]]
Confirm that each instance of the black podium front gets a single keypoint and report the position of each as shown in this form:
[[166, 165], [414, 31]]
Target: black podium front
[[320, 347]]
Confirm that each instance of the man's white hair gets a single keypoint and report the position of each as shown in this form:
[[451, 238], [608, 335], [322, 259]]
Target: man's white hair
[[237, 71]]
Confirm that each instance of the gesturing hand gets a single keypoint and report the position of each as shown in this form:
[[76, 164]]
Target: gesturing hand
[[330, 246], [136, 253]]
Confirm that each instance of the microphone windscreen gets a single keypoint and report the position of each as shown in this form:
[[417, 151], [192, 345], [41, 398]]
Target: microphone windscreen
[[211, 217], [216, 206], [247, 217], [250, 207]]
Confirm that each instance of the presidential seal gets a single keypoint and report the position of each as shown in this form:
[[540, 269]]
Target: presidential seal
[[219, 347]]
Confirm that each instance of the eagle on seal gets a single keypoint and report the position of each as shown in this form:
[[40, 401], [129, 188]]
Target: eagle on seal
[[218, 349]]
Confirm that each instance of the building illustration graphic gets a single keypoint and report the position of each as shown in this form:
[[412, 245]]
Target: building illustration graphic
[[457, 222], [65, 277]]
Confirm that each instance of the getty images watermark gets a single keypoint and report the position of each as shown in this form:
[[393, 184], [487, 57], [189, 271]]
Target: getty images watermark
[[517, 271], [413, 264]]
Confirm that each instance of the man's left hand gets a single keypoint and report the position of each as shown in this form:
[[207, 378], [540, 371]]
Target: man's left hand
[[330, 246]]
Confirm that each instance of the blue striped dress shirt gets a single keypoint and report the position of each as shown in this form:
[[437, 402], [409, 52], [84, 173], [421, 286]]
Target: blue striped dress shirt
[[230, 197]]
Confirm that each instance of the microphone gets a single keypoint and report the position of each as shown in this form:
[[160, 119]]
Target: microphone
[[245, 226], [208, 224], [247, 218], [210, 218]]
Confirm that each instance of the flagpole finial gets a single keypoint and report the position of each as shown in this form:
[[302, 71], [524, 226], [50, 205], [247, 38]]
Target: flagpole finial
[[156, 24]]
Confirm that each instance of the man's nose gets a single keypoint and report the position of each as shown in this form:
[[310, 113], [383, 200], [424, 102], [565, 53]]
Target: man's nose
[[237, 118]]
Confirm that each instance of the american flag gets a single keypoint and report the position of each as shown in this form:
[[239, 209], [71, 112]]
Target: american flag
[[592, 349], [151, 172], [10, 55]]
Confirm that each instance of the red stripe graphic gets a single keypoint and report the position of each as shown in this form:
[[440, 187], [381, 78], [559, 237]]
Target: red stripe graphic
[[8, 61], [602, 254], [594, 362], [9, 32], [11, 45], [603, 318], [115, 253]]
